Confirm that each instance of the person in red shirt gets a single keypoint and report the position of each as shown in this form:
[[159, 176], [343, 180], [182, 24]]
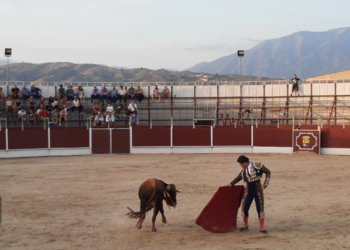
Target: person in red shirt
[[41, 113]]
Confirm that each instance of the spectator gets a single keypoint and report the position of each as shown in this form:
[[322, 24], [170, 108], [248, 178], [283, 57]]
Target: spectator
[[131, 93], [70, 94], [113, 94], [18, 105], [10, 105], [121, 94], [241, 123], [63, 116], [22, 115], [295, 87], [95, 109], [80, 93], [64, 103], [109, 113], [25, 93], [54, 116], [119, 107], [134, 120], [223, 123], [232, 122], [156, 92], [61, 92], [104, 93], [139, 94], [2, 98], [76, 104], [298, 127], [35, 92], [42, 101], [165, 93], [132, 109], [48, 109], [51, 100], [99, 121], [31, 104], [95, 94], [31, 116], [15, 92], [41, 113], [55, 105], [247, 111]]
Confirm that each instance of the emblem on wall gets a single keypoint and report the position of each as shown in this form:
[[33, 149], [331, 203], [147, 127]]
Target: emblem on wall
[[306, 141]]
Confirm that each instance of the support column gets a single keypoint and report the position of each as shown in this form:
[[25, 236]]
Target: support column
[[171, 102], [149, 106], [217, 104]]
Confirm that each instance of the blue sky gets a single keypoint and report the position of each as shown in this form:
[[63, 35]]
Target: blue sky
[[155, 33]]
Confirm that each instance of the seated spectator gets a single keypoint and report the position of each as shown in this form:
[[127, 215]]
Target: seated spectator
[[31, 116], [165, 93], [55, 105], [95, 94], [104, 94], [241, 123], [132, 109], [223, 123], [130, 94], [2, 98], [134, 120], [247, 111], [121, 94], [80, 93], [99, 121], [70, 94], [51, 100], [55, 116], [25, 93], [35, 92], [95, 109], [156, 92], [31, 104], [119, 107], [18, 104], [10, 105], [76, 105], [109, 113], [232, 122], [139, 94], [113, 94], [64, 103], [63, 116], [48, 109], [15, 92], [41, 113], [42, 101], [22, 116], [61, 92]]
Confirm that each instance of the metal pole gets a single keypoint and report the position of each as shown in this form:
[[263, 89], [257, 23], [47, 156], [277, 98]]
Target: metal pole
[[7, 75], [240, 68]]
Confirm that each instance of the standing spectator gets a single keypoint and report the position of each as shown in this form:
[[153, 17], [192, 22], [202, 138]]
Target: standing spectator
[[10, 105], [121, 94], [76, 104], [132, 109], [61, 92], [22, 115], [63, 103], [25, 93], [131, 93], [2, 98], [35, 92], [54, 116], [80, 93], [109, 113], [15, 92], [31, 104], [104, 93], [95, 94], [31, 116], [232, 122], [70, 94], [63, 116], [95, 109], [156, 92], [99, 121], [247, 111], [134, 120], [113, 94], [119, 107], [295, 87], [165, 93], [139, 94]]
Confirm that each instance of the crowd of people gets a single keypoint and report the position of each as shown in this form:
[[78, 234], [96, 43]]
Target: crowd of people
[[241, 123]]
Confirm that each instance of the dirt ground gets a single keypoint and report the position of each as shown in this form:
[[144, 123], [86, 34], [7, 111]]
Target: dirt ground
[[80, 202]]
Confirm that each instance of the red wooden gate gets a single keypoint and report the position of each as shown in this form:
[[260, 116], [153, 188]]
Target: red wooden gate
[[111, 141]]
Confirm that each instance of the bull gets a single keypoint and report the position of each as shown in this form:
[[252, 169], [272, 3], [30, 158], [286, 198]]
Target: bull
[[152, 192]]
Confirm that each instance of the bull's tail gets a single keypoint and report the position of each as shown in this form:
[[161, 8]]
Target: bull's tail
[[133, 214]]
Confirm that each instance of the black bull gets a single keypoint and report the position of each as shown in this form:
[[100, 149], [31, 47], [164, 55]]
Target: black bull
[[151, 194]]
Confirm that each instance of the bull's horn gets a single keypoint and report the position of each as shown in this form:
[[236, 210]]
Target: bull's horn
[[178, 191]]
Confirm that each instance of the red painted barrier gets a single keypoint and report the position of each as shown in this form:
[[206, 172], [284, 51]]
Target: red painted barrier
[[271, 136], [335, 137], [69, 138], [230, 136], [188, 136], [28, 138], [100, 141], [157, 136], [3, 139], [120, 141]]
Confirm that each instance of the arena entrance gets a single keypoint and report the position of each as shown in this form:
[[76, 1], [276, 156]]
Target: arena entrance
[[110, 140]]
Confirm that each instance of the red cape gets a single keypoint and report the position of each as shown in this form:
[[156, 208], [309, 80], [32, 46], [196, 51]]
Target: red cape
[[220, 214]]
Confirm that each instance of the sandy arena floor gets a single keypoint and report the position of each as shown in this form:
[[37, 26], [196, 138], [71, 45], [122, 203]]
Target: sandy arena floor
[[80, 202]]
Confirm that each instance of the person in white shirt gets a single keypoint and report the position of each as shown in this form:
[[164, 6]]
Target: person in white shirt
[[22, 114], [99, 121], [132, 108], [121, 94], [76, 104], [109, 113], [156, 92]]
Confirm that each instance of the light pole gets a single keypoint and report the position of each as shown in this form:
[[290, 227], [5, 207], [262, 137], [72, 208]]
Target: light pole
[[240, 54], [8, 53]]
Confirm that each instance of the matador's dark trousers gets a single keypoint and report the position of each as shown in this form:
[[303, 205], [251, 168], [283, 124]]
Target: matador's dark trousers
[[253, 191]]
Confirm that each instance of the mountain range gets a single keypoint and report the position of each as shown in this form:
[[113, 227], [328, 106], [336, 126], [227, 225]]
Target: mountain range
[[303, 53]]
